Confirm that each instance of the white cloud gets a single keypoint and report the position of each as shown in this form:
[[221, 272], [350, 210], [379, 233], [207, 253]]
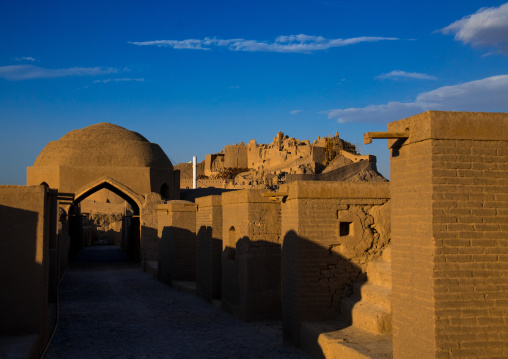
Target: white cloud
[[293, 43], [30, 72], [397, 74], [25, 58], [294, 112], [124, 79], [488, 27], [488, 94]]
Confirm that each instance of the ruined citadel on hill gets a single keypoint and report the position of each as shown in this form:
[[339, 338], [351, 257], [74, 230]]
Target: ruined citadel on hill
[[306, 233], [285, 160]]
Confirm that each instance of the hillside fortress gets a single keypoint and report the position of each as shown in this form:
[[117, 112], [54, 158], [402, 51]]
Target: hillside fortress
[[284, 160], [412, 268]]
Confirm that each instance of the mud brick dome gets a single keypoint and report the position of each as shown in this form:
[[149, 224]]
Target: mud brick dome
[[101, 145], [84, 158]]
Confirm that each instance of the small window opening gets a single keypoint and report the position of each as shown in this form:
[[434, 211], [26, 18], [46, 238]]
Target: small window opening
[[345, 229]]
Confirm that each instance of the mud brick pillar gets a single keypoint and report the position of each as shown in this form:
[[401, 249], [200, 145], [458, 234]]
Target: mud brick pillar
[[177, 241], [251, 255], [209, 247], [450, 235]]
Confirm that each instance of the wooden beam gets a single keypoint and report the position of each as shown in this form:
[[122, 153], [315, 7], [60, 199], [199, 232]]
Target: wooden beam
[[369, 136]]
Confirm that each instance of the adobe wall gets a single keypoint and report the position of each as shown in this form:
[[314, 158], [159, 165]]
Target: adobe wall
[[450, 233], [331, 230], [148, 225], [339, 174], [28, 280], [64, 240], [36, 175], [72, 179], [204, 183], [177, 241], [160, 177], [209, 247], [235, 156], [251, 255], [141, 180]]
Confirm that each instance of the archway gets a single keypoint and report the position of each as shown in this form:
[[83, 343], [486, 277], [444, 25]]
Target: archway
[[130, 228]]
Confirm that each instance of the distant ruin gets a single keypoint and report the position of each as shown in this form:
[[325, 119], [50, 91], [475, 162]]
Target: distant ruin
[[284, 160]]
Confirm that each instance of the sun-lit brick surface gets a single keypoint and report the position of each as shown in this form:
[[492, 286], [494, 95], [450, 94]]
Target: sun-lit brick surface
[[450, 236]]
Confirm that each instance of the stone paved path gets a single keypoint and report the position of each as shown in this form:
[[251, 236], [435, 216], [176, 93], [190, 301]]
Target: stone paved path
[[109, 308]]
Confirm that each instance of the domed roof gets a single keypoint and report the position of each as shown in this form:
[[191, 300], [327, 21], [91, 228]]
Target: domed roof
[[103, 145]]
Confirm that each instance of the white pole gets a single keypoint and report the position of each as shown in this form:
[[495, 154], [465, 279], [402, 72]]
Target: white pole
[[194, 173]]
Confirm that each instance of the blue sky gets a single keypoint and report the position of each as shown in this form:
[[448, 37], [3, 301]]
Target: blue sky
[[194, 75]]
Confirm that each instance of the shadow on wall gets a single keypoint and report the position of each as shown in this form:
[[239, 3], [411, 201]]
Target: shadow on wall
[[177, 255], [192, 194], [314, 280], [251, 280], [208, 264], [24, 277]]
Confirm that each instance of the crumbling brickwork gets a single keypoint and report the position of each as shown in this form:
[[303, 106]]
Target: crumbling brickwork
[[331, 231], [449, 220]]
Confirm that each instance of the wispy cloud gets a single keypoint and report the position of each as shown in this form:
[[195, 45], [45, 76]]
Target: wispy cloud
[[289, 44], [294, 112], [31, 72], [488, 27], [398, 74], [25, 58], [234, 87], [488, 94], [124, 79]]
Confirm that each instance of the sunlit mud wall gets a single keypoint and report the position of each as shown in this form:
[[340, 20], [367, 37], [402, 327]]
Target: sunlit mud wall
[[450, 236]]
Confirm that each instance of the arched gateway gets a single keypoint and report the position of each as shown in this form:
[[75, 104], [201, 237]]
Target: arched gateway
[[106, 157]]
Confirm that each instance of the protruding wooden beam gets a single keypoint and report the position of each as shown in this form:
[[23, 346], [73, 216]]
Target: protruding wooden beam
[[369, 136]]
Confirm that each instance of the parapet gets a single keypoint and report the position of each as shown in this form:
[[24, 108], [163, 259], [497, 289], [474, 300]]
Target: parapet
[[451, 125], [329, 190]]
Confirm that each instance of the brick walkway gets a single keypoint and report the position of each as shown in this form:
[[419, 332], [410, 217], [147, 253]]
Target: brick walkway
[[109, 308]]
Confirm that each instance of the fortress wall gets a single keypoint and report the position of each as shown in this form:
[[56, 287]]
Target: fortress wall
[[330, 230], [251, 255], [177, 241], [450, 233], [235, 156], [254, 155], [209, 247], [203, 183]]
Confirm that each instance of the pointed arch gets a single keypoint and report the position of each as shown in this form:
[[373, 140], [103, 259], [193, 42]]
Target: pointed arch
[[134, 199]]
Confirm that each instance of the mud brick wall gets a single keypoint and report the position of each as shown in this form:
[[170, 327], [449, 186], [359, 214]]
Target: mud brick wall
[[177, 241], [450, 236], [209, 247], [251, 255], [331, 230], [28, 279]]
